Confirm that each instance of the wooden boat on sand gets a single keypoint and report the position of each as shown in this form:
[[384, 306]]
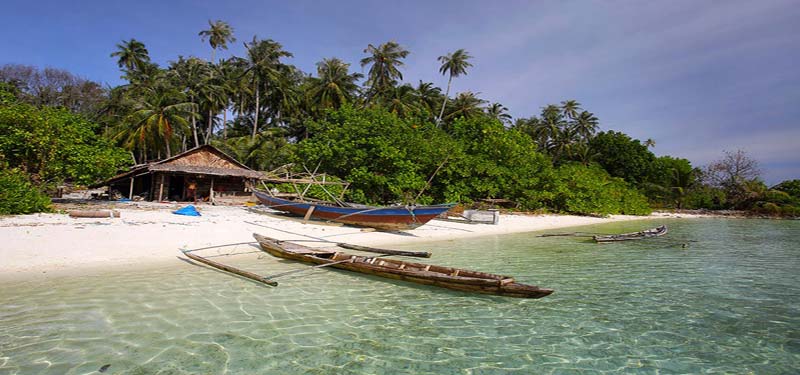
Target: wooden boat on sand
[[385, 218], [445, 277], [655, 232]]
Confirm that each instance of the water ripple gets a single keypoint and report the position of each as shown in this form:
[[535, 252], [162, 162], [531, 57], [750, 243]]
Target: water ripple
[[730, 303]]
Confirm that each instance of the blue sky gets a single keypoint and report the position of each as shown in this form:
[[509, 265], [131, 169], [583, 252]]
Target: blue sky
[[698, 77]]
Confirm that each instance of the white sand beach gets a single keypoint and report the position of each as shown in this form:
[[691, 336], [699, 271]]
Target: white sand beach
[[149, 232]]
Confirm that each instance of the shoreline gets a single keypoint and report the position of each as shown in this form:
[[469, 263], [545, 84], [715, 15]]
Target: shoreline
[[149, 234]]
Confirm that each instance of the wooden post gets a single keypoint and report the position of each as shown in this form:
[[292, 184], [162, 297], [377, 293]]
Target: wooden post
[[308, 213], [161, 188], [211, 192], [130, 193]]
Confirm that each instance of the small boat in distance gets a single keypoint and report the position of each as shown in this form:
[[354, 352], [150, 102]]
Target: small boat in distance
[[445, 277], [385, 218], [649, 233]]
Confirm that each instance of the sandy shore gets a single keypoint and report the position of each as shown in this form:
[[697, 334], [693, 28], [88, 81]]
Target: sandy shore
[[147, 233]]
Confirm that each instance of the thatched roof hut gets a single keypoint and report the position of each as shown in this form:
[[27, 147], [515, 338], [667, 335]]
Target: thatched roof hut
[[203, 173]]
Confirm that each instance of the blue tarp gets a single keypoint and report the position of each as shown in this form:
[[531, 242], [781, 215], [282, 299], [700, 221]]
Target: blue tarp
[[188, 211]]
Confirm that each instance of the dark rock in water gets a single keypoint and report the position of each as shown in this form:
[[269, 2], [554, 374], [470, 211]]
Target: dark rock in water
[[104, 368]]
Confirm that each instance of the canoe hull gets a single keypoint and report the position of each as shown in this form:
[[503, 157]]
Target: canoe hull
[[650, 233], [476, 282], [385, 218]]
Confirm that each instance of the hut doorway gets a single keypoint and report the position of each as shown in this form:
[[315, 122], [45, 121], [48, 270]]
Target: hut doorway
[[176, 188]]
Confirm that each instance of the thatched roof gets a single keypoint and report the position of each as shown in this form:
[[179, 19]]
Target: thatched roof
[[205, 160]]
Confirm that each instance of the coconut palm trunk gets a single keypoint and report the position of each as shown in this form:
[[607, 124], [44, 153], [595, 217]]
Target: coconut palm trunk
[[194, 125], [446, 94], [210, 125], [255, 121], [225, 124]]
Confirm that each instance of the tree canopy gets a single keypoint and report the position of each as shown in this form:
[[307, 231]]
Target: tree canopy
[[394, 140]]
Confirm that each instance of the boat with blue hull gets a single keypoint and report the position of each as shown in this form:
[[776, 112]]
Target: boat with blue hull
[[379, 217]]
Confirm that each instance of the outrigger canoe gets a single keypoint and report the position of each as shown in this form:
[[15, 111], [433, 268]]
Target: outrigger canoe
[[386, 218], [445, 277], [655, 232]]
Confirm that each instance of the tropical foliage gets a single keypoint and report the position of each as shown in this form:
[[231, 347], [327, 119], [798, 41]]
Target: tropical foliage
[[18, 195], [53, 145], [394, 140]]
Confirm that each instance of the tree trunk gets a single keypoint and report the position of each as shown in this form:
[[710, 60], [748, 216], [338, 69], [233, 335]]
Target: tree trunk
[[169, 152], [210, 125], [446, 94], [194, 124], [225, 124], [255, 121]]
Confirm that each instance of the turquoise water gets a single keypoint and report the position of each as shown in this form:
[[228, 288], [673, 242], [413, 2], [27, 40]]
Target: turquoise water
[[728, 303]]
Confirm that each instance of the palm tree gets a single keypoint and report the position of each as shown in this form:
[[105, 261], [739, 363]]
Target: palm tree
[[681, 181], [571, 108], [284, 96], [581, 152], [265, 152], [563, 144], [213, 98], [550, 126], [428, 95], [466, 104], [499, 112], [454, 64], [156, 119], [241, 79], [586, 124], [131, 54], [263, 59], [402, 100], [228, 75], [333, 86], [188, 75], [384, 73], [219, 34]]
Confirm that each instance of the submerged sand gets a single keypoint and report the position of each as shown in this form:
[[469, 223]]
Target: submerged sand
[[150, 232]]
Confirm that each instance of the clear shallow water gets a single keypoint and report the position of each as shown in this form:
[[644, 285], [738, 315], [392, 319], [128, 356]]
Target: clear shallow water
[[729, 303]]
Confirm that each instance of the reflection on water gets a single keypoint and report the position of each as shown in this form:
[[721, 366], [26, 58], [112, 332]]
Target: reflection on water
[[729, 303]]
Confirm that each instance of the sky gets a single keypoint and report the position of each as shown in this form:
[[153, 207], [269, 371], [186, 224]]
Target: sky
[[697, 77]]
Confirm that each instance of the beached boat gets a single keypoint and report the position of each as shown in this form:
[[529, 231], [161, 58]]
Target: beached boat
[[445, 277], [386, 218], [655, 232]]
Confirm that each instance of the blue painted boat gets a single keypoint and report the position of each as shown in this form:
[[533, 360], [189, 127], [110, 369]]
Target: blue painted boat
[[386, 217]]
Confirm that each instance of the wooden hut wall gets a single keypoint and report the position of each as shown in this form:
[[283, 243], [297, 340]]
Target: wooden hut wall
[[141, 186], [231, 190], [158, 189]]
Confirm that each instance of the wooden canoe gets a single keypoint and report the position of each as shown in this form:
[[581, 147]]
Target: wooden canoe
[[385, 218], [655, 232], [445, 277]]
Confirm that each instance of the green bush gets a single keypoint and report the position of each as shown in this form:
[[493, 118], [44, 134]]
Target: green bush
[[19, 196], [706, 197], [791, 187], [385, 158], [53, 145], [590, 190], [495, 163], [623, 156]]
